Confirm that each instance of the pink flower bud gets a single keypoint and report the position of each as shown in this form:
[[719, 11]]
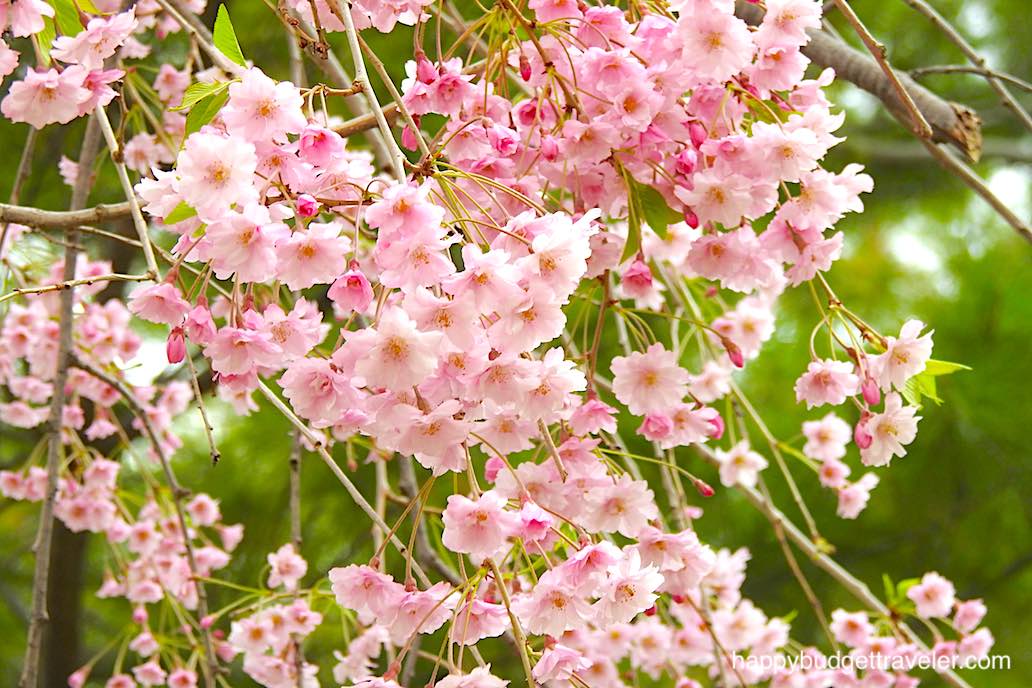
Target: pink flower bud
[[78, 678], [425, 70], [691, 219], [651, 611], [140, 615], [869, 388], [408, 138], [549, 148], [703, 487], [861, 436], [175, 348], [686, 161], [307, 206], [718, 427], [524, 68], [492, 467], [207, 621], [698, 134], [733, 352]]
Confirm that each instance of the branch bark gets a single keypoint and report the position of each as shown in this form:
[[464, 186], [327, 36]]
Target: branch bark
[[63, 219], [952, 123]]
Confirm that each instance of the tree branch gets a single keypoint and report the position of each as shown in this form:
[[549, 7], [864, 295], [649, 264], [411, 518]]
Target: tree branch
[[952, 123], [44, 536], [63, 219]]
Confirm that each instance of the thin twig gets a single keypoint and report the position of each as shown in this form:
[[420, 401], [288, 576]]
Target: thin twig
[[965, 69], [68, 285], [921, 127], [209, 665], [853, 585], [209, 432], [127, 187], [362, 77], [978, 185], [974, 56]]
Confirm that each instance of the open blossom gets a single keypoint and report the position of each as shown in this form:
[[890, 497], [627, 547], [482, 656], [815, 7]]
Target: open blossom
[[650, 381], [395, 354], [890, 431], [904, 357], [551, 608], [317, 391], [740, 465], [45, 97], [853, 629], [853, 498], [558, 664], [826, 382], [259, 109], [316, 255], [934, 596], [479, 528], [630, 589], [101, 38], [160, 303], [215, 172], [826, 439], [624, 506], [286, 567]]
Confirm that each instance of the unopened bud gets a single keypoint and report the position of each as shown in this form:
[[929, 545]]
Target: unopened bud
[[703, 487], [175, 348], [697, 132], [691, 219], [307, 206], [425, 70], [716, 427], [870, 391], [733, 352], [524, 68], [861, 436]]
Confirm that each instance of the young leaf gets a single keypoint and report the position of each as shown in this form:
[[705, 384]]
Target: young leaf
[[205, 111], [934, 367], [67, 17], [179, 213], [199, 91], [46, 38], [225, 38], [657, 214]]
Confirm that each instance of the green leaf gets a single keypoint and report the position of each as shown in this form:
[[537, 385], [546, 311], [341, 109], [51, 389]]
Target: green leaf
[[87, 6], [633, 229], [890, 589], [67, 17], [205, 111], [934, 367], [199, 91], [658, 215], [46, 38], [225, 38], [179, 213]]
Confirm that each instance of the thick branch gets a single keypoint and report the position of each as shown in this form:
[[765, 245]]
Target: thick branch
[[951, 123], [34, 217]]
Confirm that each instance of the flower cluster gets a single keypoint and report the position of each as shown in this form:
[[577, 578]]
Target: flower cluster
[[499, 315]]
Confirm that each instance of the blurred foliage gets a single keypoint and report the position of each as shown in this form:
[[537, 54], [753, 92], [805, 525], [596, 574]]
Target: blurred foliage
[[960, 502]]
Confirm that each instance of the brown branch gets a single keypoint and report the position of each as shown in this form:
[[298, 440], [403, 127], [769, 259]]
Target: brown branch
[[35, 217], [965, 69], [44, 536], [974, 56], [952, 123], [978, 185], [921, 127]]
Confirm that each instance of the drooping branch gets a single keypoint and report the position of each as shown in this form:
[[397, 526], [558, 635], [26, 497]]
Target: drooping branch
[[44, 535], [952, 123], [856, 587]]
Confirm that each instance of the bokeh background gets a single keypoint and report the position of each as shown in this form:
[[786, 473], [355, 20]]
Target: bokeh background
[[960, 502]]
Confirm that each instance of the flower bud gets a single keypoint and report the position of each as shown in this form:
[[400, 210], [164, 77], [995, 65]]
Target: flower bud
[[408, 138], [691, 219], [307, 206], [717, 430], [733, 352], [78, 678], [549, 148], [861, 436], [207, 621], [703, 487], [492, 467], [870, 391], [175, 348], [140, 615], [686, 161], [425, 70], [524, 68], [697, 132]]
